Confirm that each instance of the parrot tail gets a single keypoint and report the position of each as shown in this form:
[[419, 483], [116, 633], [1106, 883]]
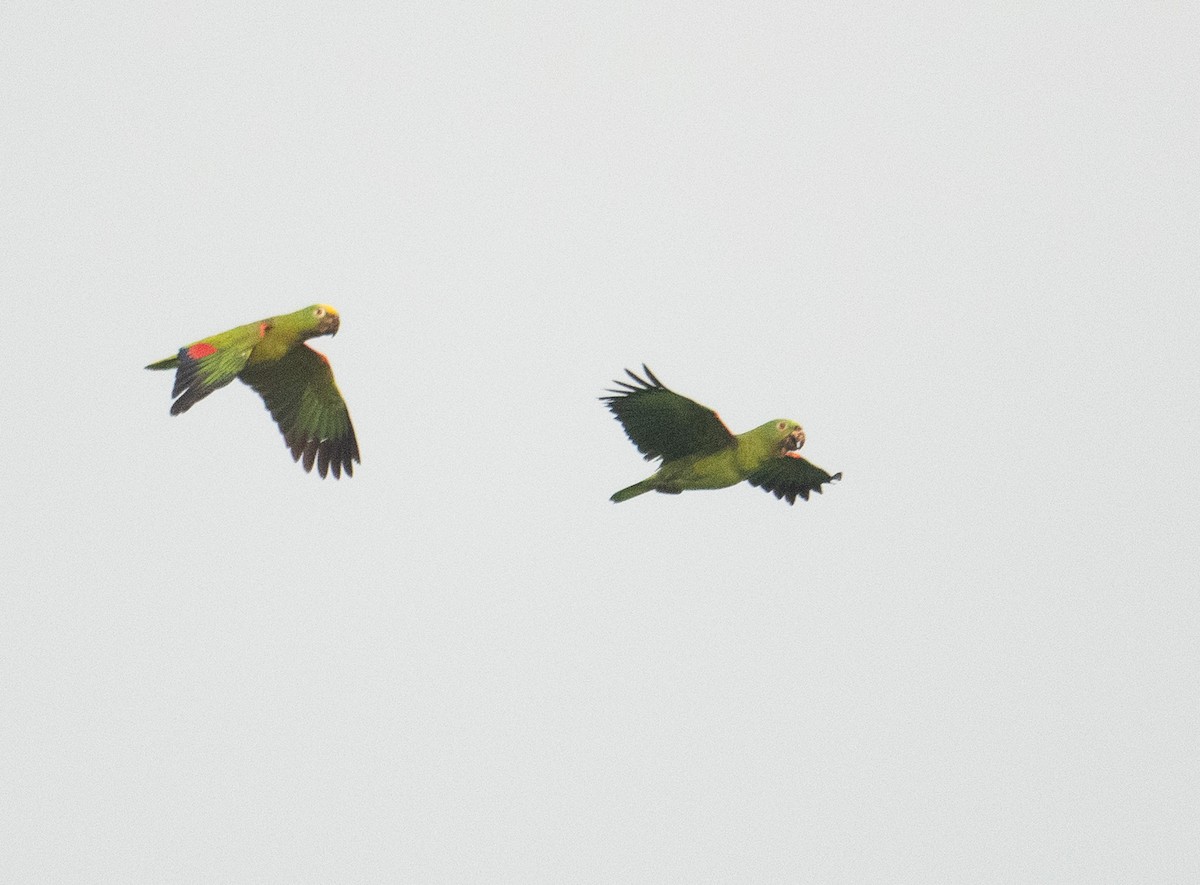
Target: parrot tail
[[638, 488], [170, 362]]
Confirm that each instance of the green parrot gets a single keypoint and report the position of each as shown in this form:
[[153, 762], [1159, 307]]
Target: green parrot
[[294, 381], [699, 452]]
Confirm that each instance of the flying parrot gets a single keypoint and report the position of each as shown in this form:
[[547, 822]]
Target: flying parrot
[[295, 382], [699, 452]]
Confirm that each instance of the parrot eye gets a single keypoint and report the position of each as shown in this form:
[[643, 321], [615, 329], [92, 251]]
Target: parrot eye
[[318, 311], [782, 425]]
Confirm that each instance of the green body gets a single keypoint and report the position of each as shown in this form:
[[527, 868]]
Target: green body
[[724, 468], [263, 342], [295, 382], [699, 452]]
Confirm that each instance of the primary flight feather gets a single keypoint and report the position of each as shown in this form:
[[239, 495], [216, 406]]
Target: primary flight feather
[[699, 452], [295, 382]]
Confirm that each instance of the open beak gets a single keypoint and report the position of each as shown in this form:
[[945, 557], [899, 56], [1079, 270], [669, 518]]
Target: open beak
[[794, 440]]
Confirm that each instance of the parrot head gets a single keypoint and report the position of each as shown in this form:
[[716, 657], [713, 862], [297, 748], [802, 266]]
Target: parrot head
[[790, 435], [320, 319]]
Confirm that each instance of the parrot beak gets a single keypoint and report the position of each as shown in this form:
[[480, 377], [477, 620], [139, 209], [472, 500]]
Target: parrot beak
[[794, 440], [330, 324]]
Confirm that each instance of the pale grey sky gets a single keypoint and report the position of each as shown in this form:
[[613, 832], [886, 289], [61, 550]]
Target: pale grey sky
[[958, 244]]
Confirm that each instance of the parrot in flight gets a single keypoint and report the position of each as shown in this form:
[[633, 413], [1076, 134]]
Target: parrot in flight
[[699, 452], [295, 382]]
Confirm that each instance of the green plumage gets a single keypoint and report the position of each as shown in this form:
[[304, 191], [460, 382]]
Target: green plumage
[[295, 382], [699, 452]]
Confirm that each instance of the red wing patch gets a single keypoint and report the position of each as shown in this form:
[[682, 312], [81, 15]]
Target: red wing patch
[[201, 350], [263, 328]]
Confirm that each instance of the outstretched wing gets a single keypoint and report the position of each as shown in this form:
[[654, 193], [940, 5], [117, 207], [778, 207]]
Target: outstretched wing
[[663, 424], [789, 476], [304, 401], [201, 368]]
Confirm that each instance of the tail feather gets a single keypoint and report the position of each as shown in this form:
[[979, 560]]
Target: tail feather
[[171, 362], [638, 488]]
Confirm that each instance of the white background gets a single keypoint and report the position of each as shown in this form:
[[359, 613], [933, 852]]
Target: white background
[[958, 244]]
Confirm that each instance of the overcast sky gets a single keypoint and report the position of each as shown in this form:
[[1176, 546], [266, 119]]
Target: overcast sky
[[959, 245]]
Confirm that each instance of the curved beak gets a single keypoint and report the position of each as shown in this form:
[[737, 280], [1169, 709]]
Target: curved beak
[[794, 440]]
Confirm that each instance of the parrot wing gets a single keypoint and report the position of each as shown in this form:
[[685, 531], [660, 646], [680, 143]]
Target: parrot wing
[[203, 367], [663, 424], [302, 397], [790, 475]]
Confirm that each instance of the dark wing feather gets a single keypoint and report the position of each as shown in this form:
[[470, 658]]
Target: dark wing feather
[[789, 476], [198, 376], [663, 424], [308, 407]]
